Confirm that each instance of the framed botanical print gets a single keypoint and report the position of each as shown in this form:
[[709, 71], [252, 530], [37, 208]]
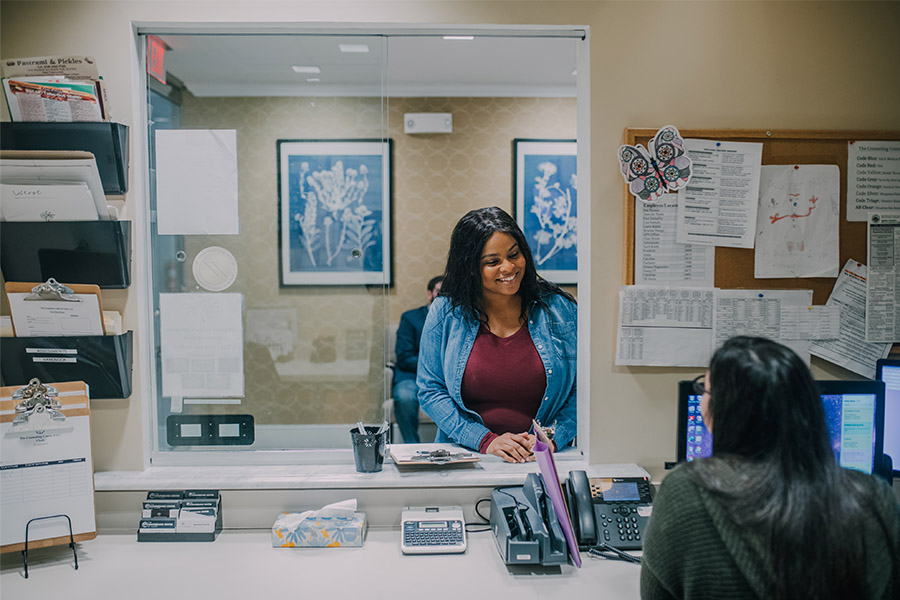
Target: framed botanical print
[[546, 205], [334, 210]]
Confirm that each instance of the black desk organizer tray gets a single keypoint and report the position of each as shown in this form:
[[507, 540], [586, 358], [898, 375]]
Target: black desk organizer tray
[[143, 536], [173, 536], [108, 142], [90, 252], [102, 361]]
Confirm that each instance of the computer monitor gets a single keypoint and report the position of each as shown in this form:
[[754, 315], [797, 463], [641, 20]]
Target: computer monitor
[[854, 411], [888, 371]]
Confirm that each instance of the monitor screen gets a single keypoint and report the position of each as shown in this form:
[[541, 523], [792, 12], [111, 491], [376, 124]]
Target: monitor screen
[[888, 371], [854, 412]]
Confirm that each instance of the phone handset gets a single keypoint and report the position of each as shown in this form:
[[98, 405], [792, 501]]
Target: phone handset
[[579, 491]]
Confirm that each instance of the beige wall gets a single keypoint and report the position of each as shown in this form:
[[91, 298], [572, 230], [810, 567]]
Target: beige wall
[[772, 65]]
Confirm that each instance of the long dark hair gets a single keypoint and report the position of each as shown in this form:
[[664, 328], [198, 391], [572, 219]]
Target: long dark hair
[[462, 277], [769, 430]]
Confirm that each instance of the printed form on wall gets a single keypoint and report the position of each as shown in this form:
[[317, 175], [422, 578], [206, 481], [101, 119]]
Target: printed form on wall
[[850, 350], [658, 258], [718, 206], [665, 326], [759, 313], [873, 178], [197, 182], [797, 221], [883, 282], [201, 342]]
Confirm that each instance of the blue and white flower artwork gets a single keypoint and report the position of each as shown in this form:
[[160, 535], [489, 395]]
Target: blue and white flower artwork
[[546, 205], [334, 210]]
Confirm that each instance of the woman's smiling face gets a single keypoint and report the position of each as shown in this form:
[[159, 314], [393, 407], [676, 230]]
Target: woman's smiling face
[[502, 265]]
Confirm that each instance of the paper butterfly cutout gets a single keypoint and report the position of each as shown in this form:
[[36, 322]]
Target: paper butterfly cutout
[[665, 168]]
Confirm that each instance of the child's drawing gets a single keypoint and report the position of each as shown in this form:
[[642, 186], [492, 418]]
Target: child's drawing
[[797, 221]]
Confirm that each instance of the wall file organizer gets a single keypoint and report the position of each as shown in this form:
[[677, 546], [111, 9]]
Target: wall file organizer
[[108, 142], [94, 252], [102, 361]]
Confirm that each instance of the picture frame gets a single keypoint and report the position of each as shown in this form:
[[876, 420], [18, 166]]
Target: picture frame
[[334, 212], [545, 204]]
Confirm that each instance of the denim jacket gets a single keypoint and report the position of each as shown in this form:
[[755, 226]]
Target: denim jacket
[[447, 341]]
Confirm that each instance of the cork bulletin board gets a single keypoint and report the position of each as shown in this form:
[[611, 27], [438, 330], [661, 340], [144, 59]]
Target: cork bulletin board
[[734, 266]]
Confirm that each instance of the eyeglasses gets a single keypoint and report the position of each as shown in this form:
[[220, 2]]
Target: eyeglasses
[[699, 385]]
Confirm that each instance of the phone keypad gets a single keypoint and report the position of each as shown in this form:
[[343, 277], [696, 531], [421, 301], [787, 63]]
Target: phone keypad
[[621, 526]]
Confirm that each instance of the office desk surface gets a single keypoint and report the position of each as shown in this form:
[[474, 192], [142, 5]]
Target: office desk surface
[[241, 564]]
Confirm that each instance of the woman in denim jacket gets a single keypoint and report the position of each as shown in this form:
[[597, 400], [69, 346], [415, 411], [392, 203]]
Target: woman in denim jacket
[[499, 344]]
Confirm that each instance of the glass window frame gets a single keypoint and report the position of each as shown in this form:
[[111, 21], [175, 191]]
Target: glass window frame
[[211, 457]]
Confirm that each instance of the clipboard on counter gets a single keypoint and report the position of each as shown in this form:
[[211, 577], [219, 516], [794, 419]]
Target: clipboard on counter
[[431, 454], [53, 309], [46, 466]]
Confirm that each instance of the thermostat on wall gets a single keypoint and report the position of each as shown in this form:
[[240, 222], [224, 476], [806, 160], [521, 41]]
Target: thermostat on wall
[[428, 123]]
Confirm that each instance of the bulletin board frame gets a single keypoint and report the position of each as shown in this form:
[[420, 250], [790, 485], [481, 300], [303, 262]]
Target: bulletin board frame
[[734, 266]]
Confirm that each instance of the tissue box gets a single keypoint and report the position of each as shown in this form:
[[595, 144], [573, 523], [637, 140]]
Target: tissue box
[[319, 532]]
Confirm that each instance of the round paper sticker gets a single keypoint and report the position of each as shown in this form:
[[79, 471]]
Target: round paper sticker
[[215, 269]]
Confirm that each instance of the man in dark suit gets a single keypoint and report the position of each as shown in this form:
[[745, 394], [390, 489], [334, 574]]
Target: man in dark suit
[[406, 402]]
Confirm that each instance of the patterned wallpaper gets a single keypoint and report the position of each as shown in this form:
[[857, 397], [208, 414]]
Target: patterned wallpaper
[[314, 332]]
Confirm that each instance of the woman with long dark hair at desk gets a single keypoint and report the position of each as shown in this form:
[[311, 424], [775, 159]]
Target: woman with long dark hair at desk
[[499, 344], [770, 514]]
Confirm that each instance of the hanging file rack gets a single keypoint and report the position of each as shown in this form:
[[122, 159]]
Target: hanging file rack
[[103, 361]]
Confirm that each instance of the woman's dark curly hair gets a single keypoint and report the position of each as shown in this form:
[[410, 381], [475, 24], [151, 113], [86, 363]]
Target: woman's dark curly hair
[[462, 277]]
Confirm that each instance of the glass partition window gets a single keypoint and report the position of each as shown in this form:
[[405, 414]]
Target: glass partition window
[[294, 217]]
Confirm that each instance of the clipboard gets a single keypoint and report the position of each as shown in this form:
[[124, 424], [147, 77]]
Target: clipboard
[[431, 454], [52, 309], [31, 462]]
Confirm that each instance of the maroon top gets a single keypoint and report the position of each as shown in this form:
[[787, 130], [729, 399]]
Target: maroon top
[[504, 382]]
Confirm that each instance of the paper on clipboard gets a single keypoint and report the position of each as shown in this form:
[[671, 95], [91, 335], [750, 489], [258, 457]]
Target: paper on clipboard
[[47, 473], [37, 167], [36, 318], [431, 454]]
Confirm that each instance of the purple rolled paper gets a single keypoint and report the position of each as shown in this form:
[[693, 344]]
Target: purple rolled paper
[[544, 457]]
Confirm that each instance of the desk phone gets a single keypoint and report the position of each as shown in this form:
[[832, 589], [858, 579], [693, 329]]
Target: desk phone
[[610, 510], [432, 530]]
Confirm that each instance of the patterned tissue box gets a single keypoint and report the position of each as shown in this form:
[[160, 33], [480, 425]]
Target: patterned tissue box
[[319, 532]]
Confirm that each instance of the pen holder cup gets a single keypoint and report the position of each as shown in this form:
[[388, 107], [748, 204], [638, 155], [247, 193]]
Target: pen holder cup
[[368, 449]]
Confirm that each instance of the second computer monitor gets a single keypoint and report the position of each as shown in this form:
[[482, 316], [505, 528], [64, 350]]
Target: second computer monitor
[[888, 371], [854, 413]]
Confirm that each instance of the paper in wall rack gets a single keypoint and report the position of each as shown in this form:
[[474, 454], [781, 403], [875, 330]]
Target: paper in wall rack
[[108, 142], [180, 516]]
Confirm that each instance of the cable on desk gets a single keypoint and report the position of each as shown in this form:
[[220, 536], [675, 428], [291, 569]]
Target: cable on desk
[[480, 526], [604, 550]]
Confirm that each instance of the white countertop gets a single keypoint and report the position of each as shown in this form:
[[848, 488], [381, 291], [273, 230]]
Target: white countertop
[[485, 473], [241, 564]]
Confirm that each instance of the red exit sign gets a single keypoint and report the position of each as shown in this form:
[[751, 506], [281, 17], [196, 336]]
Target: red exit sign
[[156, 53]]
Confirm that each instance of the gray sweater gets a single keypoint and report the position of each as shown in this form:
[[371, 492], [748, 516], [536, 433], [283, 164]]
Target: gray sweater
[[693, 550]]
